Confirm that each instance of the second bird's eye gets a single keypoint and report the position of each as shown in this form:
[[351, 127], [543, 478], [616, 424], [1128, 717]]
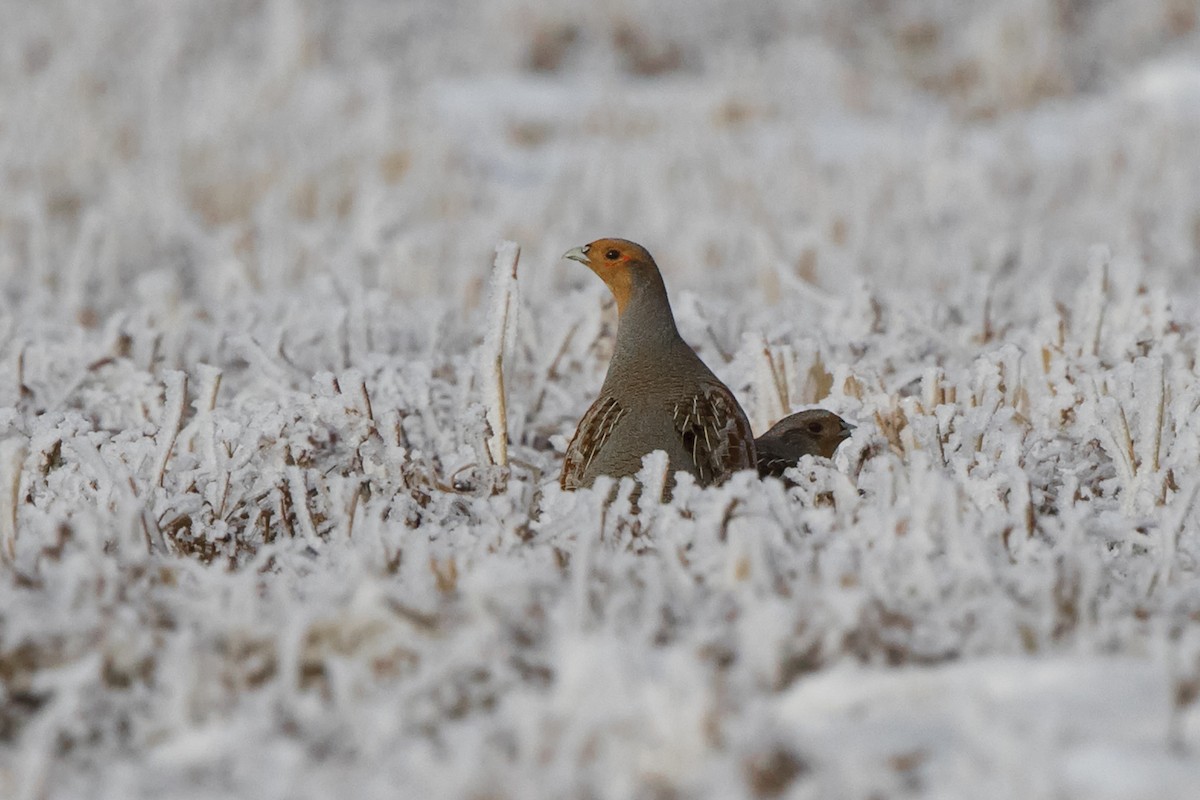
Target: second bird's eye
[[814, 427], [611, 255]]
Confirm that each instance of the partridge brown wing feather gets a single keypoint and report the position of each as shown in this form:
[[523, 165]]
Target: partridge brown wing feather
[[773, 466], [590, 437], [715, 432]]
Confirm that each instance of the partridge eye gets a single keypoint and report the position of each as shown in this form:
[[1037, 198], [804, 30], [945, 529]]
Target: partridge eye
[[814, 427], [612, 255]]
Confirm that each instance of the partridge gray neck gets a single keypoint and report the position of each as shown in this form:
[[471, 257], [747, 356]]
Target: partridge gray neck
[[648, 343]]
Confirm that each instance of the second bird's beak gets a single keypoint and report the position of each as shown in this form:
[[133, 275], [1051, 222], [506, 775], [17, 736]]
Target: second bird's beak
[[847, 429], [577, 254]]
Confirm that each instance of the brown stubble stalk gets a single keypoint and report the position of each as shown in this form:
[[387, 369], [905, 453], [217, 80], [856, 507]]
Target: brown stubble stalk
[[174, 402]]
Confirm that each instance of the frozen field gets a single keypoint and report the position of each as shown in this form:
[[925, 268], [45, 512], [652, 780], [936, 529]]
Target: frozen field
[[260, 535]]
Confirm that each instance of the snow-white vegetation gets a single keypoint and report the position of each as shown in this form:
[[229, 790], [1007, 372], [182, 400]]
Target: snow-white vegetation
[[262, 534]]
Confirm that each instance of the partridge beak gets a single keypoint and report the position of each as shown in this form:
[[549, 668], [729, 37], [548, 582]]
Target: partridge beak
[[577, 254], [847, 429]]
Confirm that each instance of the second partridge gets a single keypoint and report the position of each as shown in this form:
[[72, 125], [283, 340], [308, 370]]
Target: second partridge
[[815, 432]]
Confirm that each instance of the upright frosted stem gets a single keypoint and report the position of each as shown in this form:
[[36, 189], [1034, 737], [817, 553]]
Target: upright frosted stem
[[499, 333]]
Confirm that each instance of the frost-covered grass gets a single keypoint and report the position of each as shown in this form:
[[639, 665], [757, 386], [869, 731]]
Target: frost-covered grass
[[259, 533]]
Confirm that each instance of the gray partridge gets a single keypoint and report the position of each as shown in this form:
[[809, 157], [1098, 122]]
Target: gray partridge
[[815, 432], [658, 394]]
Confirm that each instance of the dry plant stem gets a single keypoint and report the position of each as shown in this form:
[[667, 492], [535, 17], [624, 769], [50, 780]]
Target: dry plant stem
[[206, 403], [12, 457], [176, 396], [552, 372], [770, 390], [1099, 298], [1170, 531], [1116, 426], [298, 490], [212, 385], [779, 374], [22, 389], [726, 355], [986, 333], [1150, 376], [932, 390], [504, 285], [148, 521], [224, 494], [366, 396], [283, 509], [352, 510]]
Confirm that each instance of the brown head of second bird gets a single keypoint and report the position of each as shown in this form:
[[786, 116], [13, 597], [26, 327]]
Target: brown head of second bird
[[815, 432], [658, 394]]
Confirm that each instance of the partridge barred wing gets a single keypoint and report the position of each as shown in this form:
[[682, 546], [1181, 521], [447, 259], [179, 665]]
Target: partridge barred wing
[[594, 430], [715, 431], [773, 464]]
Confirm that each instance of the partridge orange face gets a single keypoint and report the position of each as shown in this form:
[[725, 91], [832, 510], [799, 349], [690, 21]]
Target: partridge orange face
[[618, 262]]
